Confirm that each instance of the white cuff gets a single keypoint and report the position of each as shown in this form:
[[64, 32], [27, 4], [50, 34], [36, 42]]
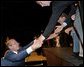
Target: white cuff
[[64, 24], [29, 50]]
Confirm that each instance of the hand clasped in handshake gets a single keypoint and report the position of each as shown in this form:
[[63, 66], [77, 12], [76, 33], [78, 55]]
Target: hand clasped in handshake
[[38, 42]]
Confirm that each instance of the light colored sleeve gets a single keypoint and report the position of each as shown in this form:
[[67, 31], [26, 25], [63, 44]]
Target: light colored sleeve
[[64, 24], [29, 50]]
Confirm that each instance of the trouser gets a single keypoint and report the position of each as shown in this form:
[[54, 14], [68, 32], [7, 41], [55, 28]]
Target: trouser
[[75, 42], [77, 47]]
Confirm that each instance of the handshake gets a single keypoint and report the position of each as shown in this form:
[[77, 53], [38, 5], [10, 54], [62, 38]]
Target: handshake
[[38, 42]]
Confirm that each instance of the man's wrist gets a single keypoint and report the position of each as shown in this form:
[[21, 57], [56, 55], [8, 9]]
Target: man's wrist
[[29, 50], [41, 38]]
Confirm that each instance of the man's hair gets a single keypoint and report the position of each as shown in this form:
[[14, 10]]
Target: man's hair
[[8, 40]]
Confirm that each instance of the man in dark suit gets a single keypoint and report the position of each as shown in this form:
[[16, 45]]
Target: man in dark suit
[[15, 56]]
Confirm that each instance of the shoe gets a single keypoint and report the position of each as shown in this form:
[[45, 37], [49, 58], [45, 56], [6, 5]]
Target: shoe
[[75, 54], [81, 65], [80, 58]]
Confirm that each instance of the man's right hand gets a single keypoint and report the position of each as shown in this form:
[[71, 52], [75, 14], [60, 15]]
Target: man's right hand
[[37, 44]]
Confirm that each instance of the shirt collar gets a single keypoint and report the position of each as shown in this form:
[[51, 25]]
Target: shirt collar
[[15, 52]]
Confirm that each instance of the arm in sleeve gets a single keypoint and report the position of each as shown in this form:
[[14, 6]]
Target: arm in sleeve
[[72, 11], [18, 57], [57, 10]]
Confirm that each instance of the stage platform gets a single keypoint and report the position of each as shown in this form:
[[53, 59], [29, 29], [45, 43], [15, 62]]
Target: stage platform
[[61, 57]]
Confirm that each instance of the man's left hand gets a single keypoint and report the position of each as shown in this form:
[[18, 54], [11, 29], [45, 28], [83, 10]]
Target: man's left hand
[[58, 29]]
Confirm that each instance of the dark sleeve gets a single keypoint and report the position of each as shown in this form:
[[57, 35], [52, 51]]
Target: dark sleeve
[[57, 9], [81, 10], [16, 57], [72, 11]]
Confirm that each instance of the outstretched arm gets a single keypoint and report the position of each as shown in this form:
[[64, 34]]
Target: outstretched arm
[[10, 55], [57, 9], [52, 36]]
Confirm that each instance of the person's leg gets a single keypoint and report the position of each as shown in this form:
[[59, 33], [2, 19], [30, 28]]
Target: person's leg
[[78, 26], [75, 43]]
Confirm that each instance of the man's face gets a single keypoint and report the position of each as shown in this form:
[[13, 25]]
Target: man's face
[[13, 45], [44, 3]]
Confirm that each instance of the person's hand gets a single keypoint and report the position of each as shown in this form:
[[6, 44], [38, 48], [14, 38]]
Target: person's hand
[[68, 30], [58, 29], [43, 3], [73, 17], [38, 42]]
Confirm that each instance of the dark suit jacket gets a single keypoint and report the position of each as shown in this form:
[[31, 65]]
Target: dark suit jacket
[[12, 59]]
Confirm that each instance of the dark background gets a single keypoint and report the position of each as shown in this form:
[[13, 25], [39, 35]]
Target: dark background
[[22, 20]]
